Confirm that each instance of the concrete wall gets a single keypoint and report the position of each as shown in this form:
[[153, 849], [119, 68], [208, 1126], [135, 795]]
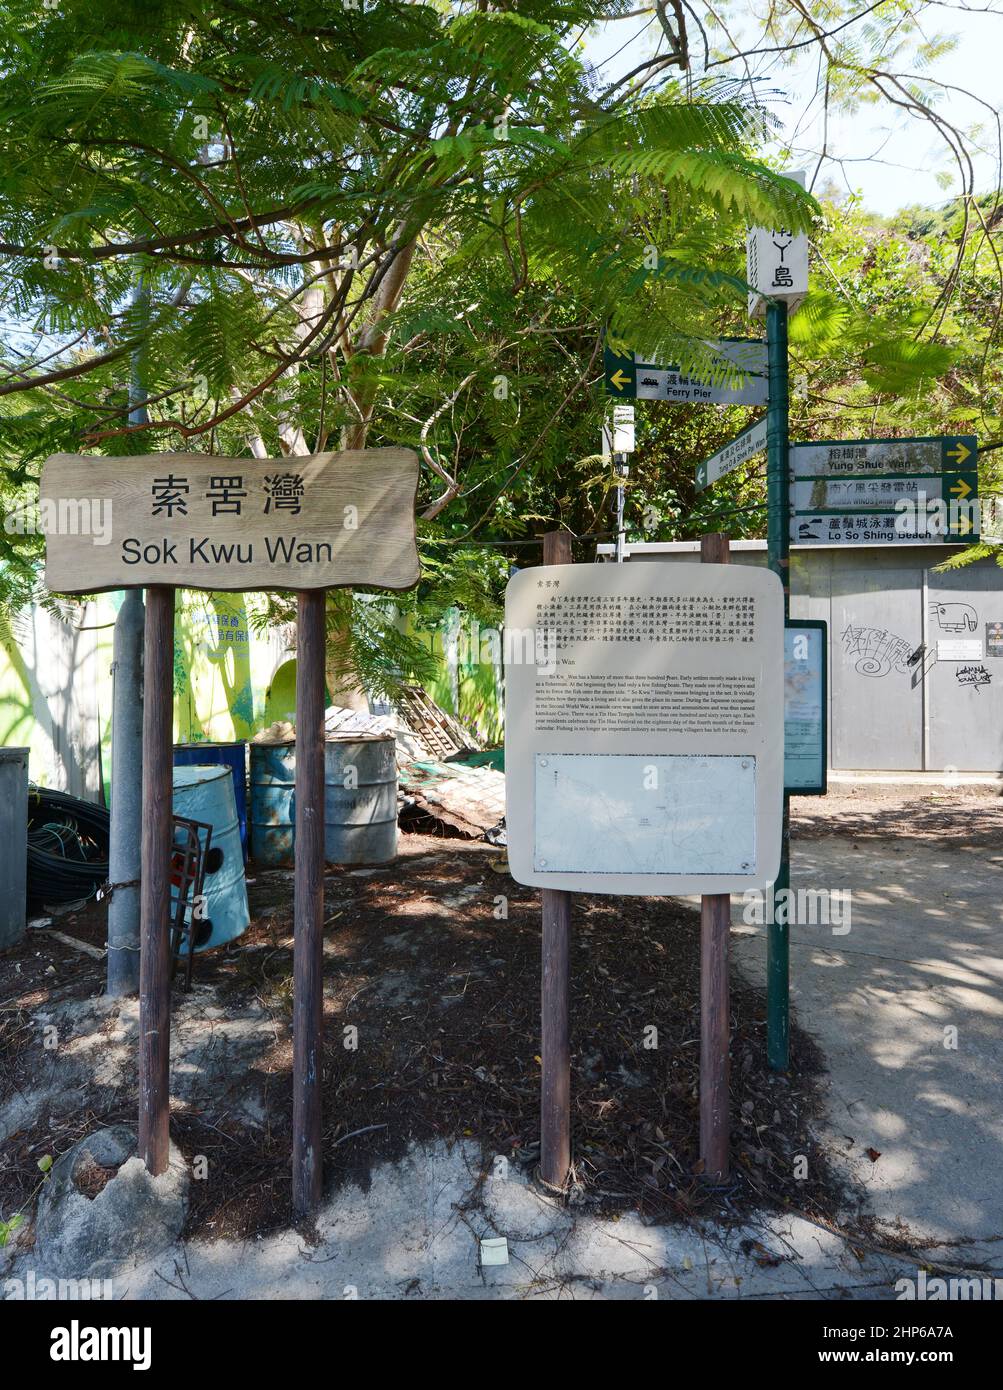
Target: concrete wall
[[55, 692], [231, 678], [895, 702]]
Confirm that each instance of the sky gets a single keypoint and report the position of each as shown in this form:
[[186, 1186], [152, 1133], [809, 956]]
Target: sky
[[891, 159]]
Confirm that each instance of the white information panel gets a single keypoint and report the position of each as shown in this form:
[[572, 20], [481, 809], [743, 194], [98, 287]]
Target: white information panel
[[644, 737]]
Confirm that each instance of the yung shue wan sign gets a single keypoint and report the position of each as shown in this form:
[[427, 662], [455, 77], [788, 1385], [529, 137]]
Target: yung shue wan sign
[[198, 522], [644, 738]]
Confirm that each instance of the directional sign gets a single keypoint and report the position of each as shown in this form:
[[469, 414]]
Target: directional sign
[[862, 491], [832, 458], [632, 377], [874, 494], [739, 450], [776, 264]]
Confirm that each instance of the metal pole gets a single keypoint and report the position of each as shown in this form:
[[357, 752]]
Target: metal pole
[[715, 1004], [155, 958], [555, 1050], [127, 756], [124, 857], [308, 907], [778, 545], [622, 466]]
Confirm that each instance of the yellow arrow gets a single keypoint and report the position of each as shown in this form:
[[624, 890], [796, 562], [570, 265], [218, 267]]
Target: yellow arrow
[[619, 380], [961, 489], [960, 452], [964, 525]]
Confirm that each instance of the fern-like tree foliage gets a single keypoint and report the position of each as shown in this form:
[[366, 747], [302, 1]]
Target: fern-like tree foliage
[[313, 196], [313, 199], [393, 223]]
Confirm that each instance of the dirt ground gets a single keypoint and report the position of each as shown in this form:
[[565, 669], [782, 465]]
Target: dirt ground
[[432, 1032]]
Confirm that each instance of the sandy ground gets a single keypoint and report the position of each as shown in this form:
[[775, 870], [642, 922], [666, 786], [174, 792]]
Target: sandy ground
[[443, 1086]]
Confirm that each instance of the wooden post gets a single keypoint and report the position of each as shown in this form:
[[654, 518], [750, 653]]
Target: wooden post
[[308, 950], [555, 1051], [155, 884], [715, 1010]]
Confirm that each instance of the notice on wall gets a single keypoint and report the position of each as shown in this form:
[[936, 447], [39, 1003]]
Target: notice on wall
[[805, 755], [191, 520], [644, 727], [994, 639], [959, 649]]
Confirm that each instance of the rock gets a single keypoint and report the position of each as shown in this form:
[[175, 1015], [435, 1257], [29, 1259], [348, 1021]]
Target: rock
[[100, 1207]]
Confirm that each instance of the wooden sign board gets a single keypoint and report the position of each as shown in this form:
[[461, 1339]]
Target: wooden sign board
[[644, 735], [193, 521]]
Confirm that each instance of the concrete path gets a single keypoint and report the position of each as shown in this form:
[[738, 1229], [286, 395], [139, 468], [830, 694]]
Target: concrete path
[[924, 956]]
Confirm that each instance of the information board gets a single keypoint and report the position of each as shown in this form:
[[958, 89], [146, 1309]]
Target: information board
[[805, 707], [644, 727]]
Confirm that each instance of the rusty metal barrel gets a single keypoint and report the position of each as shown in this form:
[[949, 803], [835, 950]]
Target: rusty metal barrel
[[360, 800]]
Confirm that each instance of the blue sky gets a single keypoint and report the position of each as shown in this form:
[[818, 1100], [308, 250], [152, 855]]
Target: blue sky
[[890, 158]]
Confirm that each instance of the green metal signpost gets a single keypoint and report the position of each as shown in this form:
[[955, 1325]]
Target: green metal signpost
[[777, 275], [778, 552]]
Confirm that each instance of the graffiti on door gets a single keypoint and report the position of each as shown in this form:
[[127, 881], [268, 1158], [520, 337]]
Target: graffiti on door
[[876, 651], [955, 617], [975, 676]]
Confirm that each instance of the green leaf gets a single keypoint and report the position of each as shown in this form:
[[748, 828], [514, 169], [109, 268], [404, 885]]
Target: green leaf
[[7, 1228]]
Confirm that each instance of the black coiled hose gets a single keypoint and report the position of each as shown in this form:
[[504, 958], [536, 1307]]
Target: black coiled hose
[[67, 847]]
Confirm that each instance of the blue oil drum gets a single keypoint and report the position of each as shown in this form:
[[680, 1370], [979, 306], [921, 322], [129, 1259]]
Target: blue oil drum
[[273, 803], [360, 800], [234, 756], [204, 792]]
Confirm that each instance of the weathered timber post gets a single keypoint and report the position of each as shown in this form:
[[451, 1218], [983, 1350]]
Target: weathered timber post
[[555, 1052], [308, 950], [155, 886], [715, 1008]]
